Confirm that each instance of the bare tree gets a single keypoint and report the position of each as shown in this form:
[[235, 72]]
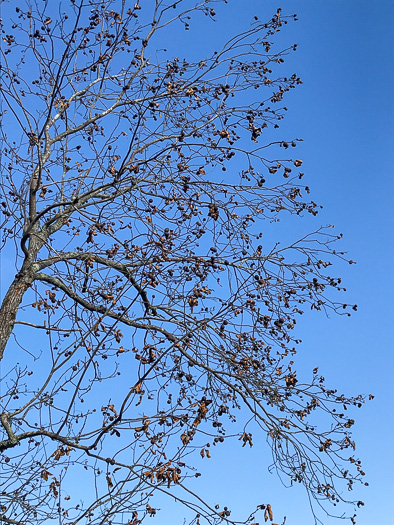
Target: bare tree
[[145, 312]]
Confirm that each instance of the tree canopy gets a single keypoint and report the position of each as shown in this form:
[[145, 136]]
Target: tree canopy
[[146, 317]]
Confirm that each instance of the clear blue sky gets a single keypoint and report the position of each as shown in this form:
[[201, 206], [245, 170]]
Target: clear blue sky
[[344, 112]]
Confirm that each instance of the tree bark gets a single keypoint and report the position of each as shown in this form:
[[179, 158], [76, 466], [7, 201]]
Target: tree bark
[[10, 306]]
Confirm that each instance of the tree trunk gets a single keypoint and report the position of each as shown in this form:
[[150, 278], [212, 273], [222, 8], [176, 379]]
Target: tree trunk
[[10, 306]]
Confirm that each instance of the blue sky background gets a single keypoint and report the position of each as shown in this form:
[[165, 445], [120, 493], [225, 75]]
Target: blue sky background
[[344, 113]]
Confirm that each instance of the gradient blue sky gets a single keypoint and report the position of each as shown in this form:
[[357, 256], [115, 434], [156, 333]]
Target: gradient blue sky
[[344, 113]]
